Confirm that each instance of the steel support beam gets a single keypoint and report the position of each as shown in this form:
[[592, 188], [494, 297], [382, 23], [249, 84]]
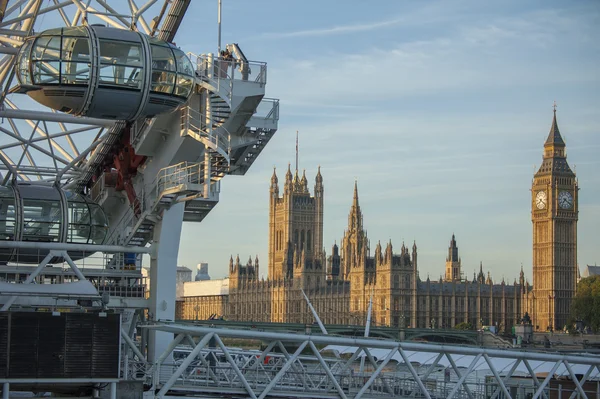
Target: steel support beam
[[235, 368], [57, 246], [29, 279], [52, 117], [186, 362], [283, 370]]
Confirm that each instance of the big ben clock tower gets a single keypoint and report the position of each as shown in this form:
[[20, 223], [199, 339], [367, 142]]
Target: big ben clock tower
[[554, 212]]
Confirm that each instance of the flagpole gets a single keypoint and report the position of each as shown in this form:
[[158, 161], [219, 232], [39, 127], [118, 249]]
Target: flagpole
[[219, 22], [296, 151]]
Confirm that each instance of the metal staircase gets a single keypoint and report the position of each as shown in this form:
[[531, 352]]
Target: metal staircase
[[233, 123]]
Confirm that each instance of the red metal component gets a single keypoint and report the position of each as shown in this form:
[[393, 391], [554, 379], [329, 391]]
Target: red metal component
[[126, 163]]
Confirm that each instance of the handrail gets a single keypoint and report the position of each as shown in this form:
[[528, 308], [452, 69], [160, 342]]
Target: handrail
[[219, 72], [176, 175], [272, 114], [217, 68], [199, 124]]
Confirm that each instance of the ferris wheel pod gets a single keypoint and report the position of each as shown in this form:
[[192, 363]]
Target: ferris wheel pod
[[36, 213], [103, 72]]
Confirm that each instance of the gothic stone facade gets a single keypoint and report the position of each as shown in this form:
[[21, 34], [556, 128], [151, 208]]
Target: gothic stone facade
[[340, 286]]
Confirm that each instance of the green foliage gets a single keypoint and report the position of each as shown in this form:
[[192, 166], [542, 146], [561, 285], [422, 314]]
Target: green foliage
[[586, 305], [463, 326]]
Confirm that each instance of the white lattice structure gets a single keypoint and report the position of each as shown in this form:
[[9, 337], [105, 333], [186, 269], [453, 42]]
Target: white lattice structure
[[135, 141], [291, 365]]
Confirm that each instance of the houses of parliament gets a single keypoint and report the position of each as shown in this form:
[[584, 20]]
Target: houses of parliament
[[341, 284]]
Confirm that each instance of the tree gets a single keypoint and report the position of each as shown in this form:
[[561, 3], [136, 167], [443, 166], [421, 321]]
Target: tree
[[586, 304], [464, 326]]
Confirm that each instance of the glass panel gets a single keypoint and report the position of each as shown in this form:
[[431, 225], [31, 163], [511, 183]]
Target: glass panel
[[117, 75], [184, 65], [99, 224], [121, 64], [46, 48], [79, 222], [163, 82], [23, 62], [45, 72], [7, 215], [75, 73], [162, 58], [75, 31], [184, 86], [75, 49], [52, 32], [41, 220]]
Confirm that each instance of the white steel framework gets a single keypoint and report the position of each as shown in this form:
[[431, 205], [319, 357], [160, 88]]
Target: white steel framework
[[300, 369], [180, 156]]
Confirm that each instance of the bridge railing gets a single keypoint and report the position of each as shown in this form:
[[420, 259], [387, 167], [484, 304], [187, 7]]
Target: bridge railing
[[392, 368]]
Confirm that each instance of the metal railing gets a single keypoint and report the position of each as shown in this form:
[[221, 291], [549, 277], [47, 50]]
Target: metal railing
[[209, 66], [268, 109], [199, 126], [219, 73], [394, 369], [175, 176]]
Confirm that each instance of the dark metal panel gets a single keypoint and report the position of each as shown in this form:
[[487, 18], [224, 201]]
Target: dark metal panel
[[51, 347], [105, 347], [66, 345], [23, 345], [3, 344], [79, 331]]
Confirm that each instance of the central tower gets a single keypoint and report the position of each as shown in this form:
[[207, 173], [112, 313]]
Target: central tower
[[453, 272], [295, 225], [554, 213]]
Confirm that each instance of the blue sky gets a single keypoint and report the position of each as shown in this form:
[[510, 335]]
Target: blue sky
[[439, 109]]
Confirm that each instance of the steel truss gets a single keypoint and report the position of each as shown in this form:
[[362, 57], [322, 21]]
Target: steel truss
[[314, 375], [45, 146]]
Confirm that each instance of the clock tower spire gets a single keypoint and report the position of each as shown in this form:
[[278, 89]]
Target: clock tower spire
[[554, 213]]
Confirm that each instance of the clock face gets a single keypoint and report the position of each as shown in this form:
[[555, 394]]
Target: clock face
[[540, 200], [565, 200]]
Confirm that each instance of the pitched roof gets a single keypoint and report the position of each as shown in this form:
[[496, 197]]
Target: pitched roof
[[554, 137]]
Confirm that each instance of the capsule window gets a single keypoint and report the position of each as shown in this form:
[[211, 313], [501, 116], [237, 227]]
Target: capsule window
[[184, 86], [75, 65], [163, 69], [45, 59], [121, 64], [23, 72], [98, 223], [78, 220], [8, 216], [184, 65], [41, 220]]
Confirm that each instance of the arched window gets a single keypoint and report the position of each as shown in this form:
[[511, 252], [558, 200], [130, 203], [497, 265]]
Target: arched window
[[302, 236], [296, 237], [308, 239]]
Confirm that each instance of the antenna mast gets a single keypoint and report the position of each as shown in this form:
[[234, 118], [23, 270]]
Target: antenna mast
[[296, 149], [219, 23]]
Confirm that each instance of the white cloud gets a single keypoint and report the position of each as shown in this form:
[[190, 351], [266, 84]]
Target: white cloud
[[495, 54]]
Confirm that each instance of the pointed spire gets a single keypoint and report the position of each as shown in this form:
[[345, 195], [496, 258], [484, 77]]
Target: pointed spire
[[304, 181], [554, 137], [274, 179], [288, 175], [319, 178], [355, 198]]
